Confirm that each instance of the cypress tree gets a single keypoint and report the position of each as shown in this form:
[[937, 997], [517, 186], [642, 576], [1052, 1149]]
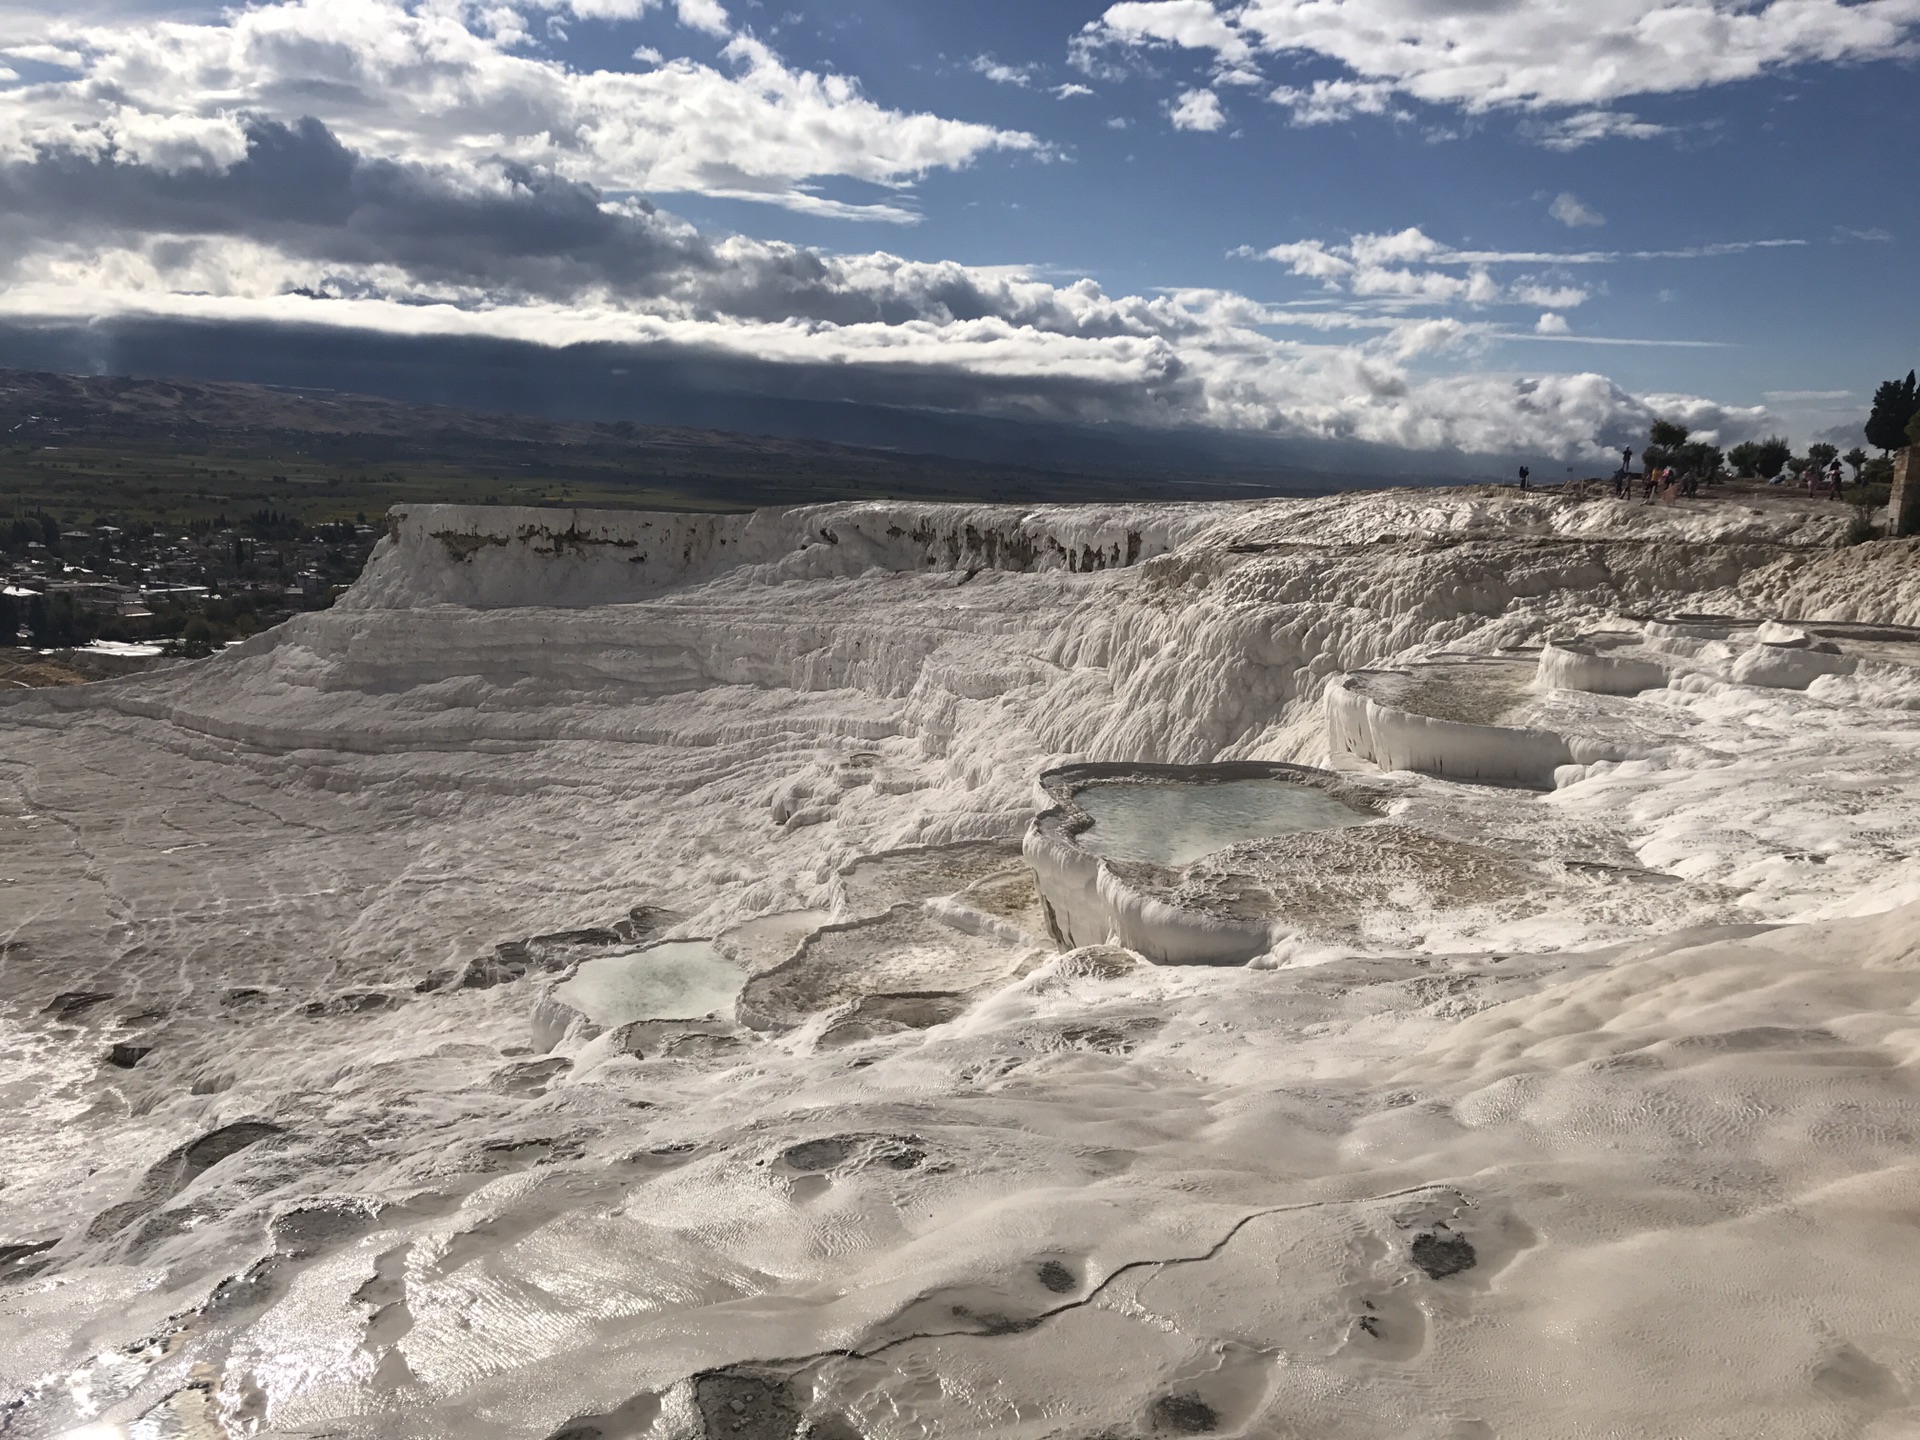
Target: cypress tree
[[1894, 405]]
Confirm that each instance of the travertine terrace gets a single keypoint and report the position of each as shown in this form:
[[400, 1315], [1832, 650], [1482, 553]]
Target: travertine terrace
[[1579, 1103]]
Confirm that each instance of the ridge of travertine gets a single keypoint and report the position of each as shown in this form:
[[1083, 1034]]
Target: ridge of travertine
[[505, 556], [1620, 1160]]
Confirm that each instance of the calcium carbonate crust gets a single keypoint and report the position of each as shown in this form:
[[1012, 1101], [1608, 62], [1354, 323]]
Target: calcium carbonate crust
[[1543, 1111]]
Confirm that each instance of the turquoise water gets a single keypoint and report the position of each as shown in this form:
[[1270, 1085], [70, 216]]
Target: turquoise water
[[1177, 824], [681, 980]]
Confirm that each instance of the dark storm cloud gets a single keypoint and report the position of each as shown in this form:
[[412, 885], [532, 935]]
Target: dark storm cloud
[[302, 191], [513, 232], [305, 233]]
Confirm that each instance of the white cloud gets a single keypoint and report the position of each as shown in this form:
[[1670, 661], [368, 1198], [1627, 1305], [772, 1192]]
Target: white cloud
[[1574, 213], [1191, 24], [603, 9], [1411, 266], [44, 54], [1425, 337], [1244, 75], [1021, 75], [419, 83], [1320, 260], [448, 104], [1197, 110], [707, 15], [1571, 132], [1560, 297], [1626, 341], [1331, 101], [1003, 339], [1394, 272], [1539, 55], [1411, 243], [1068, 91], [1607, 257], [1434, 286], [1305, 257]]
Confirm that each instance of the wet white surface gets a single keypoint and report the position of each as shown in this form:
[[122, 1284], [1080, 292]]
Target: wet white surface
[[681, 980], [1635, 1162], [1174, 824]]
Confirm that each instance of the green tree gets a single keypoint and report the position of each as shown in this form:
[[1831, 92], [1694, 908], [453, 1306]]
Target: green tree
[[1699, 457], [1856, 457], [1770, 456], [1822, 453], [1894, 406], [1664, 441], [196, 640], [56, 622], [1745, 458], [39, 621]]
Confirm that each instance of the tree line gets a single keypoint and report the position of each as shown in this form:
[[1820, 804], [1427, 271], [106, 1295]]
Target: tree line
[[1893, 424], [1671, 446]]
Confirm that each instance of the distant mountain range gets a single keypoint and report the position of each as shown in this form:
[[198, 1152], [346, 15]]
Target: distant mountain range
[[56, 425], [350, 382]]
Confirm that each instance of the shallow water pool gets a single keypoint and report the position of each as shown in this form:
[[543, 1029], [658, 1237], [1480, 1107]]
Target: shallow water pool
[[681, 980], [1177, 824]]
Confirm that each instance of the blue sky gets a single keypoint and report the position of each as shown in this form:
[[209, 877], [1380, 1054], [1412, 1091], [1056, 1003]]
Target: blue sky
[[1441, 225]]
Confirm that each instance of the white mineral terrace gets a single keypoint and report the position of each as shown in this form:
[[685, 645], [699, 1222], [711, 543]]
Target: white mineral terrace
[[624, 976]]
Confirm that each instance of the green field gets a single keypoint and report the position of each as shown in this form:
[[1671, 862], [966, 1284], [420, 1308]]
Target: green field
[[131, 451], [130, 482]]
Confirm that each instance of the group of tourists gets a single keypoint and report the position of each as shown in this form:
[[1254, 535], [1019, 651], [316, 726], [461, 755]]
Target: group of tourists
[[1829, 481], [1664, 484]]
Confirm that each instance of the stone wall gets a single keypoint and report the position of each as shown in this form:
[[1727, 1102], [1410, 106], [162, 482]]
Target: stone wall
[[1903, 508]]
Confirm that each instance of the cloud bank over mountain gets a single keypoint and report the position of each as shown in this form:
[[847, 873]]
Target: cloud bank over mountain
[[435, 171]]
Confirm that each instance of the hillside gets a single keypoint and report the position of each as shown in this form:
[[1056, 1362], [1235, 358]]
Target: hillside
[[140, 449]]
